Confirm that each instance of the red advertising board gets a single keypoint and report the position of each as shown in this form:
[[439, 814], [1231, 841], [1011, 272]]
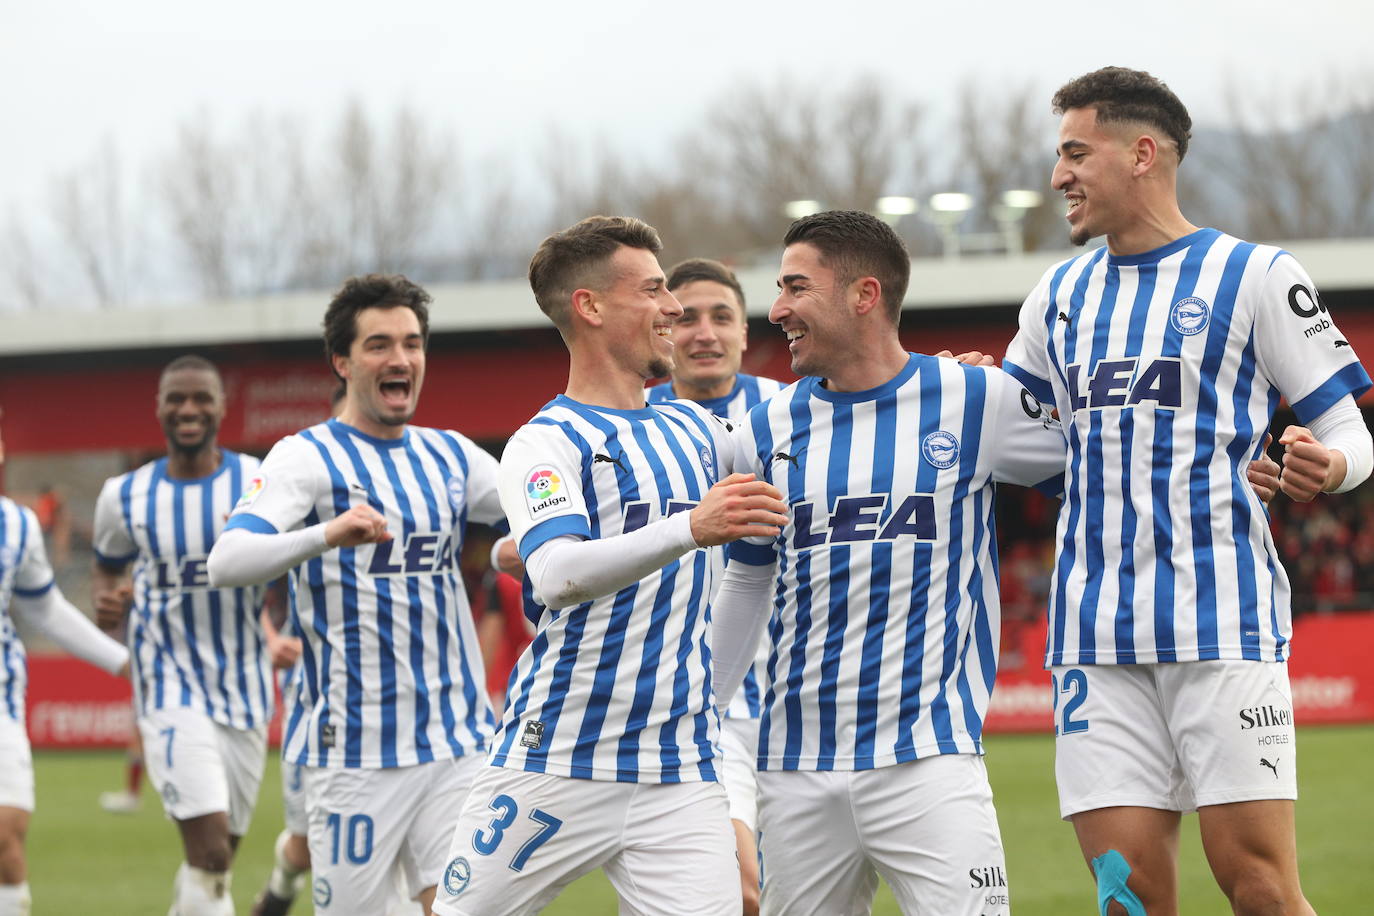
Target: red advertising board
[[74, 705]]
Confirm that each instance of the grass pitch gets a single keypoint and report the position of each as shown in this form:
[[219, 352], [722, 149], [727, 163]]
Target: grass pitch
[[83, 860]]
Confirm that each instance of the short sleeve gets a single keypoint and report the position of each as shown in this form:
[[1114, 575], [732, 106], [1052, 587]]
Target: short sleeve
[[540, 484], [282, 493], [483, 485], [1029, 447], [1298, 345], [34, 574], [1027, 359], [111, 540]]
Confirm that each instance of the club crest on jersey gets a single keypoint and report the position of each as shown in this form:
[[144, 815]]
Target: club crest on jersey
[[707, 464], [1189, 316], [456, 487], [251, 492], [321, 893], [940, 449], [533, 736], [457, 876], [544, 491]]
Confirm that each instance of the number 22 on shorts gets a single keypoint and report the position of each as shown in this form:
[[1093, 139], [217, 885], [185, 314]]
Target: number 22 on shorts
[[1075, 687], [486, 840]]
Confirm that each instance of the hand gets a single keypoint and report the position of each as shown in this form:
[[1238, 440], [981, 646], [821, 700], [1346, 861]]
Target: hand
[[971, 358], [508, 558], [737, 507], [361, 524], [1308, 466], [123, 671], [111, 605], [283, 650], [1263, 474]]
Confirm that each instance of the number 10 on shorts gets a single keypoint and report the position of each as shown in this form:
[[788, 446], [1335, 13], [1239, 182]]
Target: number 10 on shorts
[[488, 839], [1075, 688]]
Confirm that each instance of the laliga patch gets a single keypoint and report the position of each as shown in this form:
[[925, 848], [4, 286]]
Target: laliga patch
[[545, 491], [1189, 316], [251, 492], [940, 449]]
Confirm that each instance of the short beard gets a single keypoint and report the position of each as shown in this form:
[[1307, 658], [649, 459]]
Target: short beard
[[660, 368]]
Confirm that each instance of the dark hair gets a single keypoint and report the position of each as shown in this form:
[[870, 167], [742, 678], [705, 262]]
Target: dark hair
[[566, 261], [1121, 95], [694, 270], [192, 362], [373, 291], [855, 244]]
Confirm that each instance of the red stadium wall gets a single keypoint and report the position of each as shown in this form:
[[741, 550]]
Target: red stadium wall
[[73, 705], [482, 386]]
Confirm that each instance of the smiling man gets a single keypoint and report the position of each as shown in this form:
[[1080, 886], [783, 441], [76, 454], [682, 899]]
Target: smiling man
[[607, 750], [202, 679], [1166, 352], [366, 512], [880, 595]]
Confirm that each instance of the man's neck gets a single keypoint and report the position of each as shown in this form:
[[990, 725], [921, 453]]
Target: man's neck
[[602, 384], [879, 365], [1153, 227], [709, 392], [193, 465]]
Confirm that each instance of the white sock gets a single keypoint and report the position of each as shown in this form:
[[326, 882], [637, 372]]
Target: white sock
[[14, 899], [287, 880], [202, 893]]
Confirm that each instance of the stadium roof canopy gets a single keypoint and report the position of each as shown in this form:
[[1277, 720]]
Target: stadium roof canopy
[[971, 282]]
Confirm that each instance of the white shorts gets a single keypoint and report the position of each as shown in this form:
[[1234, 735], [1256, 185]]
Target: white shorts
[[1173, 736], [293, 798], [16, 766], [199, 766], [666, 848], [928, 827], [363, 823], [739, 771]]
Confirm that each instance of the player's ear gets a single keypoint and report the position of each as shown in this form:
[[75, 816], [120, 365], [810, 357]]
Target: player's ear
[[869, 294], [586, 308], [1146, 151], [340, 364]]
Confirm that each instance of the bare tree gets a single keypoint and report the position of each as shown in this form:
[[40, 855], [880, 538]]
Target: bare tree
[[1294, 165], [201, 185], [93, 220], [21, 265]]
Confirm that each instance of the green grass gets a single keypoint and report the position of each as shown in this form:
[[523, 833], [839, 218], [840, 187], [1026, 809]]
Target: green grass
[[85, 861]]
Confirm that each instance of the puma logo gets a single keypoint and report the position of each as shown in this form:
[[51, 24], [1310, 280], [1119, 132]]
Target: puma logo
[[1064, 317], [1273, 766], [791, 459], [597, 459]]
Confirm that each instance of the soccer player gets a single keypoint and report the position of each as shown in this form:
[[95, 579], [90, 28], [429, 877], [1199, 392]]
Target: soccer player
[[202, 689], [367, 514], [28, 593], [1165, 353], [885, 620], [606, 752], [709, 340]]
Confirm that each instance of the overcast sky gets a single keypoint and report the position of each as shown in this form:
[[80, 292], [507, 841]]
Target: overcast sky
[[75, 73]]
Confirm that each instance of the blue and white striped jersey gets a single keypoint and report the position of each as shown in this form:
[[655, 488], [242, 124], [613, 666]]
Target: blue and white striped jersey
[[392, 670], [616, 688], [190, 645], [24, 571], [885, 631], [749, 390], [1167, 367]]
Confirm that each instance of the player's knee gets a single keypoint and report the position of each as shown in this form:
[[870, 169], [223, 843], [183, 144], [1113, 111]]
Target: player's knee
[[13, 868], [212, 855], [296, 851], [1257, 891], [1114, 897]]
